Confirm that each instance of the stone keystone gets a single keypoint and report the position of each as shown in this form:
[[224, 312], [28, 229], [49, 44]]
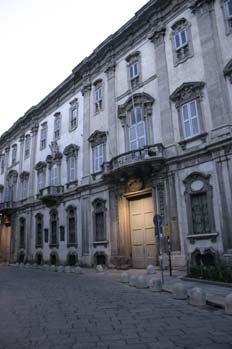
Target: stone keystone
[[150, 269], [179, 291], [124, 277], [197, 296], [228, 304], [155, 285]]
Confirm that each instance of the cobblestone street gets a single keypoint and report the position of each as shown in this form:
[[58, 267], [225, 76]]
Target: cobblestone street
[[41, 309]]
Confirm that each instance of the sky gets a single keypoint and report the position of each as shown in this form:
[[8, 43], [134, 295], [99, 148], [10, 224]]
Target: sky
[[41, 41]]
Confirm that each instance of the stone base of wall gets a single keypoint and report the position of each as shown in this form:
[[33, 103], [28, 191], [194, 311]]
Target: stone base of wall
[[120, 262], [227, 258], [178, 261]]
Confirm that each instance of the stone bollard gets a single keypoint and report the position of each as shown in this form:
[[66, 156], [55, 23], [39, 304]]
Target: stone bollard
[[197, 296], [155, 285], [124, 278], [179, 291], [228, 304], [150, 269], [141, 282], [79, 270], [67, 269], [52, 267], [21, 265], [27, 265], [17, 264], [60, 269], [46, 267], [99, 268], [132, 280]]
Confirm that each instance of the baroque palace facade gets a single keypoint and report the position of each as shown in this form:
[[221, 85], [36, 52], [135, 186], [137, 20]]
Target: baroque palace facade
[[141, 126]]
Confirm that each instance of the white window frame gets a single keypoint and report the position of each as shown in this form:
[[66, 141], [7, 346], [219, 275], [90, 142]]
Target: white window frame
[[190, 119], [71, 168], [27, 147], [14, 154], [98, 157], [134, 127], [178, 34], [57, 126], [98, 98], [2, 163], [229, 15], [43, 136], [54, 175], [41, 180], [73, 117], [24, 188]]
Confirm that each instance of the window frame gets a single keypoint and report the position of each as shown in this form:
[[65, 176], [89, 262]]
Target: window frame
[[134, 59], [43, 135], [98, 140], [22, 232], [190, 119], [57, 126], [74, 106], [27, 147], [71, 242], [14, 154], [98, 90], [54, 217], [99, 206], [39, 238], [135, 126]]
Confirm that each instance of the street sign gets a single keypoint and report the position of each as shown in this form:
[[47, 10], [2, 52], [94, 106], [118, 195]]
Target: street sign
[[157, 220], [166, 230]]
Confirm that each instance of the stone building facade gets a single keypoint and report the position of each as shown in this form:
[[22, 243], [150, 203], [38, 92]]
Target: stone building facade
[[142, 126]]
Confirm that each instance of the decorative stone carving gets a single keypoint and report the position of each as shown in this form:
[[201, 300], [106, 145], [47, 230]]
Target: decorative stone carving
[[24, 175], [124, 278], [197, 296], [137, 99], [155, 285], [40, 165], [186, 92], [98, 137], [151, 269], [179, 291]]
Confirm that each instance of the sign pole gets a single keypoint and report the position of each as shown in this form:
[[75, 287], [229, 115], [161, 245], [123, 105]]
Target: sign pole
[[159, 236]]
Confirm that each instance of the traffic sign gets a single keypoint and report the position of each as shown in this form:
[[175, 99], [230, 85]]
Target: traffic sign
[[157, 220]]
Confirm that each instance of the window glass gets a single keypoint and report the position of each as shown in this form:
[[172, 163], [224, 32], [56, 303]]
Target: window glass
[[200, 214], [98, 153], [229, 7], [190, 119], [137, 135], [54, 177]]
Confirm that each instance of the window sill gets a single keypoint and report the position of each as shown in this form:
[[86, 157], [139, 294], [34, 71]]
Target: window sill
[[72, 244], [204, 236], [201, 136], [100, 243], [39, 246], [182, 60], [54, 245], [72, 183]]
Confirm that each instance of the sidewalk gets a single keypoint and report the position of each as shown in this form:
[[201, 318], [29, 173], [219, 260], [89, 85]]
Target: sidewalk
[[215, 294]]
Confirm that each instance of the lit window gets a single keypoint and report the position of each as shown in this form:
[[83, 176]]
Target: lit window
[[190, 119], [137, 136]]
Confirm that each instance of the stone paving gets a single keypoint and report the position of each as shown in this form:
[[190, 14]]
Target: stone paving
[[40, 309]]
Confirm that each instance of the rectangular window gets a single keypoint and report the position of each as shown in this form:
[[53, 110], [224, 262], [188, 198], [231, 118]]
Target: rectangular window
[[73, 118], [41, 180], [24, 186], [200, 214], [45, 235], [53, 232], [2, 163], [57, 125], [43, 137], [181, 39], [190, 119], [27, 147], [62, 233], [98, 99], [71, 169], [137, 135], [54, 176], [100, 230], [98, 157], [134, 70], [228, 4], [14, 154]]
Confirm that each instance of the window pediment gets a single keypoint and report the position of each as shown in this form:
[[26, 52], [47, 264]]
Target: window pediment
[[228, 68], [12, 174], [142, 99], [98, 137], [186, 92], [179, 24], [132, 56], [40, 165], [24, 175], [71, 150]]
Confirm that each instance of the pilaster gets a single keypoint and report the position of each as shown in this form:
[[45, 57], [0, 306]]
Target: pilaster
[[34, 135]]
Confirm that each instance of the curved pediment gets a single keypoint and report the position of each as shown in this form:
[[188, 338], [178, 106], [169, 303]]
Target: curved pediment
[[71, 149], [40, 165], [142, 99], [187, 91]]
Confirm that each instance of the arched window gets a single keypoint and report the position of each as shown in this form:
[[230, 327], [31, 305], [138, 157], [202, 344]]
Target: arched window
[[54, 228], [22, 226], [72, 226], [99, 220], [39, 230]]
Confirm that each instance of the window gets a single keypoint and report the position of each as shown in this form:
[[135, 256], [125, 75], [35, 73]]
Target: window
[[1, 192], [39, 230], [62, 233], [181, 41], [73, 115], [136, 118], [98, 142], [40, 167], [190, 119], [98, 157], [71, 217], [54, 227], [188, 99], [41, 180], [99, 220], [14, 154], [54, 175], [43, 136], [22, 225], [10, 189], [57, 125], [199, 204], [98, 99], [134, 69], [27, 147], [2, 163], [226, 6], [137, 137], [71, 153], [24, 185]]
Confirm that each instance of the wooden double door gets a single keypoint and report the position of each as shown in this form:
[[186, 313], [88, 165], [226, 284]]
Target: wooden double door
[[144, 249]]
